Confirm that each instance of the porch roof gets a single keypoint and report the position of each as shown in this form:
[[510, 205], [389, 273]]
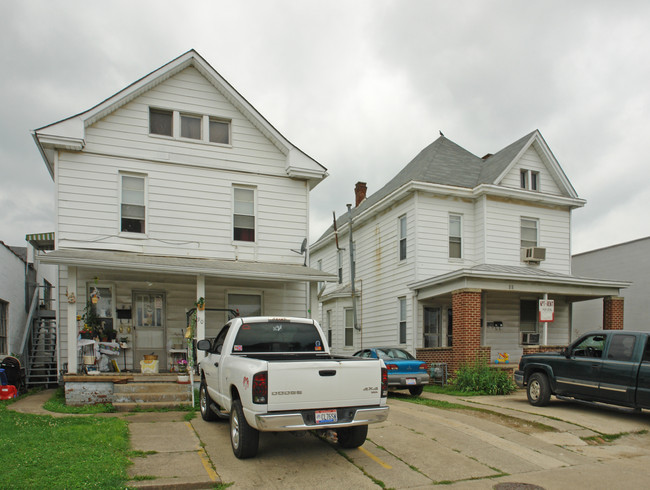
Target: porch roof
[[232, 269], [516, 279]]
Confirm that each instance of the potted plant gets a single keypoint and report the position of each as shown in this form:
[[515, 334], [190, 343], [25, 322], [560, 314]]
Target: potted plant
[[200, 304], [92, 323], [182, 366]]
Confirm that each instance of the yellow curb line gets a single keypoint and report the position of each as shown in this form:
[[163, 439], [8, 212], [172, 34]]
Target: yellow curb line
[[375, 458], [205, 460]]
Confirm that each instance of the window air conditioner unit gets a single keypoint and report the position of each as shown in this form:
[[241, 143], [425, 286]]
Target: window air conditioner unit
[[530, 338], [533, 254]]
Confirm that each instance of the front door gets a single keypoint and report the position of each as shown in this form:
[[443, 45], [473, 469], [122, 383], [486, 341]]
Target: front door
[[149, 328], [432, 327]]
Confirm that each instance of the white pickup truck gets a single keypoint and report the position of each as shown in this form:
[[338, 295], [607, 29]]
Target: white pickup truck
[[277, 374]]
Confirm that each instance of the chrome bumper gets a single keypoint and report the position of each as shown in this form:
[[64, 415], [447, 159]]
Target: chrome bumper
[[400, 380], [519, 378], [287, 421]]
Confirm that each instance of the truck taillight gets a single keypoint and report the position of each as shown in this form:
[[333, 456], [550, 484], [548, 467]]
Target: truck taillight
[[423, 366], [260, 387], [392, 367], [384, 382]]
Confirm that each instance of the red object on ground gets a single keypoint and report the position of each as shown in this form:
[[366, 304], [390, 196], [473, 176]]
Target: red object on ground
[[8, 392]]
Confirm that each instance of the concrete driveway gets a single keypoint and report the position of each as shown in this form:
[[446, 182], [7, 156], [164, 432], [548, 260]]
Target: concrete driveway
[[506, 444]]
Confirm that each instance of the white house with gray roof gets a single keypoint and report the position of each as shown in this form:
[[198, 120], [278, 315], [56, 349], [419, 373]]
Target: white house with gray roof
[[454, 253], [173, 190]]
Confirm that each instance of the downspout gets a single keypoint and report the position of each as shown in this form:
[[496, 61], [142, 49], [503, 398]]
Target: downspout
[[352, 274]]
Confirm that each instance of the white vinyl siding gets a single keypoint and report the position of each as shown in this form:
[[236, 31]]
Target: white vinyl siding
[[531, 162]]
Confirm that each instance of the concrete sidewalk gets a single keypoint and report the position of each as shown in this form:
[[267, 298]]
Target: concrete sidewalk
[[170, 454]]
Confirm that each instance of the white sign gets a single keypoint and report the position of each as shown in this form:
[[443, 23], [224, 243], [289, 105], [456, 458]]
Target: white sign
[[546, 310]]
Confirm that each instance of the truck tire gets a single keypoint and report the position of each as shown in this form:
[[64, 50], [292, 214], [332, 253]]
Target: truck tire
[[204, 404], [351, 437], [538, 390], [243, 437]]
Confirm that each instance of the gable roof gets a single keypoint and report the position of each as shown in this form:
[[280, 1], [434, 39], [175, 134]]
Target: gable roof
[[69, 133], [446, 163]]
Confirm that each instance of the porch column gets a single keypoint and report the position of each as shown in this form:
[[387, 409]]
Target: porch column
[[200, 314], [466, 314], [73, 331], [613, 307]]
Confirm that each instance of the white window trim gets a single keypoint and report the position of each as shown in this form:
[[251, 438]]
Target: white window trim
[[205, 127], [402, 300], [528, 177], [537, 228], [462, 241], [232, 215], [130, 234], [345, 328], [245, 292], [401, 260]]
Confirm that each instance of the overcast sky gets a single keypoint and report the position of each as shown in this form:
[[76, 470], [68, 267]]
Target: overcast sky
[[361, 86]]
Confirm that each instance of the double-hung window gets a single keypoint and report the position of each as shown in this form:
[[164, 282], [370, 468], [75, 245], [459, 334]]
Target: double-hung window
[[244, 214], [132, 204], [339, 258], [402, 237], [455, 236], [402, 320], [529, 232], [349, 327]]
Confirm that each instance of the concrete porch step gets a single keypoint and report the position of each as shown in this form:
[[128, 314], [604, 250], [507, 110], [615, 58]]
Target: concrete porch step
[[129, 406], [174, 398], [153, 387]]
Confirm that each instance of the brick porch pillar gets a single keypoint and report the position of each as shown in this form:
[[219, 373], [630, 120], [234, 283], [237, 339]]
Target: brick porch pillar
[[466, 309], [613, 313]]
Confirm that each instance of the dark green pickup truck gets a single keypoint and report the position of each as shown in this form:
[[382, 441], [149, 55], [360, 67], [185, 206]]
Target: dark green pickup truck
[[606, 366]]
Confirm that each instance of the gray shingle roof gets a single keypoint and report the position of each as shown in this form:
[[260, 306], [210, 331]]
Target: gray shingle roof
[[446, 163]]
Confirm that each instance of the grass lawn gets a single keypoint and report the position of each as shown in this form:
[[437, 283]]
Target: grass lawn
[[41, 451]]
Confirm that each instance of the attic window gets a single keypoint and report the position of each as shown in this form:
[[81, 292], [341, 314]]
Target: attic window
[[191, 126], [160, 122], [219, 131], [530, 180]]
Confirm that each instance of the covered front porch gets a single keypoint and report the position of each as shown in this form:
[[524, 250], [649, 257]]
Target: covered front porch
[[492, 313], [146, 302]]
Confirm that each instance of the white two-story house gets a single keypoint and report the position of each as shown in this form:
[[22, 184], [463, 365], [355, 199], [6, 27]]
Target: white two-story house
[[453, 255], [172, 191]]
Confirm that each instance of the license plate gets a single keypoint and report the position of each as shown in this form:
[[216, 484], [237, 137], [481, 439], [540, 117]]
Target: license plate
[[411, 381], [326, 416]]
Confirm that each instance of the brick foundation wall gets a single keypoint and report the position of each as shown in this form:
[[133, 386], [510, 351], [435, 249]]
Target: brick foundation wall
[[432, 355], [613, 308], [534, 349]]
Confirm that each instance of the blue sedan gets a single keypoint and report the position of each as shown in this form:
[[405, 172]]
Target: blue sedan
[[404, 370]]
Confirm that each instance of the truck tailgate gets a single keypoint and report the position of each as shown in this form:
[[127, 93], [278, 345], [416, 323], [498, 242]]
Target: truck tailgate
[[304, 384]]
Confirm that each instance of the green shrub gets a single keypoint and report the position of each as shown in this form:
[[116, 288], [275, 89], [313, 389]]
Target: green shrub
[[484, 379]]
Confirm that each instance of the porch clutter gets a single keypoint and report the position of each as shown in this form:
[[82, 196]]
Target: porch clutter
[[150, 364]]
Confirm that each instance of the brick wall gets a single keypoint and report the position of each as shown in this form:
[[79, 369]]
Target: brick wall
[[432, 355], [613, 307], [466, 305], [534, 349]]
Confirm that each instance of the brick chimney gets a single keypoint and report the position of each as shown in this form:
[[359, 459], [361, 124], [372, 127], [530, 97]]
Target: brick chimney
[[360, 192]]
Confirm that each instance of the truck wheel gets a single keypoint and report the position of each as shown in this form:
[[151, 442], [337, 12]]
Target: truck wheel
[[416, 390], [243, 437], [351, 437], [204, 404], [538, 391]]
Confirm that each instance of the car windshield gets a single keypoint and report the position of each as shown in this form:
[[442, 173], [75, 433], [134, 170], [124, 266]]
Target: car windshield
[[393, 354], [278, 336]]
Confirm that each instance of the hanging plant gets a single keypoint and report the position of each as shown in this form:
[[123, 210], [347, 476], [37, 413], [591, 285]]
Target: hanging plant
[[200, 304]]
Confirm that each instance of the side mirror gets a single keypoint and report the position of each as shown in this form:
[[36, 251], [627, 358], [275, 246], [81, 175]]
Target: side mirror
[[566, 352], [204, 345]]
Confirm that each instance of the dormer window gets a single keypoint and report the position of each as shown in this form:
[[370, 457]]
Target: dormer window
[[530, 180]]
